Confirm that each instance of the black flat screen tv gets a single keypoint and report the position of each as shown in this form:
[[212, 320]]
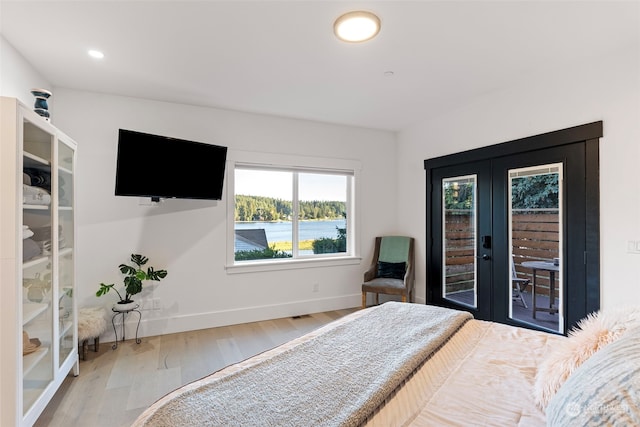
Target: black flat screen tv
[[163, 167]]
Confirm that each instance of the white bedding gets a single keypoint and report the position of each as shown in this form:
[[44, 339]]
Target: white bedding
[[483, 375]]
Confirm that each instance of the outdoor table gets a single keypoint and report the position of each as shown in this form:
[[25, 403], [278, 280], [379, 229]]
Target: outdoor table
[[552, 269]]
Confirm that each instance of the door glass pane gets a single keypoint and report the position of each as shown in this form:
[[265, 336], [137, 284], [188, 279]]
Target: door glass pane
[[535, 212], [459, 218]]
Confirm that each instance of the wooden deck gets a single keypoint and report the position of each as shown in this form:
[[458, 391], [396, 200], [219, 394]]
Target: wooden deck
[[525, 315]]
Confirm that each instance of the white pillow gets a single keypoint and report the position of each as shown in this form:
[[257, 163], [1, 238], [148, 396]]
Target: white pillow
[[604, 391], [590, 335]]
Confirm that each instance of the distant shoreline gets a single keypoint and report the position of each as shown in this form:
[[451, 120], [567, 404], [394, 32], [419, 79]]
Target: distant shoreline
[[282, 231]]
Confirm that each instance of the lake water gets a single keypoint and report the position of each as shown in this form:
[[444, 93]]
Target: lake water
[[282, 231]]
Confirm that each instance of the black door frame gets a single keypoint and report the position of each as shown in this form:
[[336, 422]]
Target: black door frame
[[587, 299]]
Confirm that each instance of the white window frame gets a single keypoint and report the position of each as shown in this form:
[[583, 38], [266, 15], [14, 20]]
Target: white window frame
[[293, 163]]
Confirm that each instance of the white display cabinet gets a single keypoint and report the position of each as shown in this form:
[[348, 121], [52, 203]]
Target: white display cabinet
[[38, 323]]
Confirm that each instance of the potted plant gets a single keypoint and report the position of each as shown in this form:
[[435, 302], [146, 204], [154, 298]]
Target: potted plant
[[134, 276]]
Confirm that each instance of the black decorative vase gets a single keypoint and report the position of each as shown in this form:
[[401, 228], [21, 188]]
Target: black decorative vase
[[41, 107]]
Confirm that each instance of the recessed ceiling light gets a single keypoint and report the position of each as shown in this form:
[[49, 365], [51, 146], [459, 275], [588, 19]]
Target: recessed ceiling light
[[96, 54], [358, 26]]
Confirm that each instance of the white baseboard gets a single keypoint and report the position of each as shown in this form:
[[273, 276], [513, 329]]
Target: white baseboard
[[168, 325]]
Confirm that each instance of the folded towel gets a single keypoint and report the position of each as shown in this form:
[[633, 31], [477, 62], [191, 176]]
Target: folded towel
[[39, 178], [35, 195], [33, 190], [44, 232], [30, 249], [36, 199]]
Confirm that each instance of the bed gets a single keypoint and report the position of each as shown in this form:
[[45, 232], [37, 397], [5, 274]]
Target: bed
[[401, 364]]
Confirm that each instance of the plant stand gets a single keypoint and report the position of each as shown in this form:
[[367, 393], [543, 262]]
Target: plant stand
[[124, 312]]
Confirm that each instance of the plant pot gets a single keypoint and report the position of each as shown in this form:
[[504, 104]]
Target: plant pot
[[125, 306]]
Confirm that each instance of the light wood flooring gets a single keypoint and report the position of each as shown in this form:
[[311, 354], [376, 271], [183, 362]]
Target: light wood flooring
[[115, 386]]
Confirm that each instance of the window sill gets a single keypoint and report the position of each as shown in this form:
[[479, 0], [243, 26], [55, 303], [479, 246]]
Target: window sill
[[291, 264]]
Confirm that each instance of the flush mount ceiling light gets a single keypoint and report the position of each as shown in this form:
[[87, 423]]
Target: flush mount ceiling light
[[358, 26], [96, 54]]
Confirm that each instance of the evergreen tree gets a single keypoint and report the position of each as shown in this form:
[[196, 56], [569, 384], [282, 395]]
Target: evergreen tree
[[257, 208]]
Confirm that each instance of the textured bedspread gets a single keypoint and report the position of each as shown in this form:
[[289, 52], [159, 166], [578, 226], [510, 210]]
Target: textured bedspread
[[337, 377]]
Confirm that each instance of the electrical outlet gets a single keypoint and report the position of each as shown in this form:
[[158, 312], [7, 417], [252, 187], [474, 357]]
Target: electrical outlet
[[156, 304], [316, 287], [633, 246]]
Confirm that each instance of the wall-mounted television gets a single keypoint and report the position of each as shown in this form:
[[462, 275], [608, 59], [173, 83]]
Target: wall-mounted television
[[163, 167]]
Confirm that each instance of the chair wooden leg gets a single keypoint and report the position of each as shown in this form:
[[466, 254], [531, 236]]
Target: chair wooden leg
[[96, 344], [404, 298], [377, 299], [364, 299]]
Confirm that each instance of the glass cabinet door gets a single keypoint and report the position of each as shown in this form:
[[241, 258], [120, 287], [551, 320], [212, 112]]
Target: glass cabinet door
[[65, 251], [37, 267]]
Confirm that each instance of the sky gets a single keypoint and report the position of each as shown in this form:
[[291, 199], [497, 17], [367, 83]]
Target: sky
[[278, 185]]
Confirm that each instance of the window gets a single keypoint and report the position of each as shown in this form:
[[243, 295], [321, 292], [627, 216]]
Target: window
[[284, 215]]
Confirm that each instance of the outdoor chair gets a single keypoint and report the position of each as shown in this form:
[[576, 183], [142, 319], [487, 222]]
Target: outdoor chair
[[519, 285], [392, 270]]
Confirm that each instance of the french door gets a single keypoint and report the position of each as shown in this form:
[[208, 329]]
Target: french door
[[511, 232]]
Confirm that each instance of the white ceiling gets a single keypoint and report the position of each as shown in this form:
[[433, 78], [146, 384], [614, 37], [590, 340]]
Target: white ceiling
[[281, 57]]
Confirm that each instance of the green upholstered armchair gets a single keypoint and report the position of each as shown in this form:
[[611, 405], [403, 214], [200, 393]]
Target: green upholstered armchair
[[392, 269]]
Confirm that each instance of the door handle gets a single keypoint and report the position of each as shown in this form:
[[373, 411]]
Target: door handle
[[485, 257]]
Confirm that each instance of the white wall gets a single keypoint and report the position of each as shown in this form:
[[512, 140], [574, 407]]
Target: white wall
[[188, 237], [18, 77], [606, 89]]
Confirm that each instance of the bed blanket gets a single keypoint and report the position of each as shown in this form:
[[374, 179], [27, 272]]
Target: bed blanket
[[336, 378]]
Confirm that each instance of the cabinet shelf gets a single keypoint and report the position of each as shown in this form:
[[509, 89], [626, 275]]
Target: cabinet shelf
[[36, 207], [33, 161], [29, 361], [31, 310], [44, 258], [64, 328], [65, 170], [35, 261], [65, 251]]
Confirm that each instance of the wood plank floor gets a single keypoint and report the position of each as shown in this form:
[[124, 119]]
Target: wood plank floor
[[115, 386]]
